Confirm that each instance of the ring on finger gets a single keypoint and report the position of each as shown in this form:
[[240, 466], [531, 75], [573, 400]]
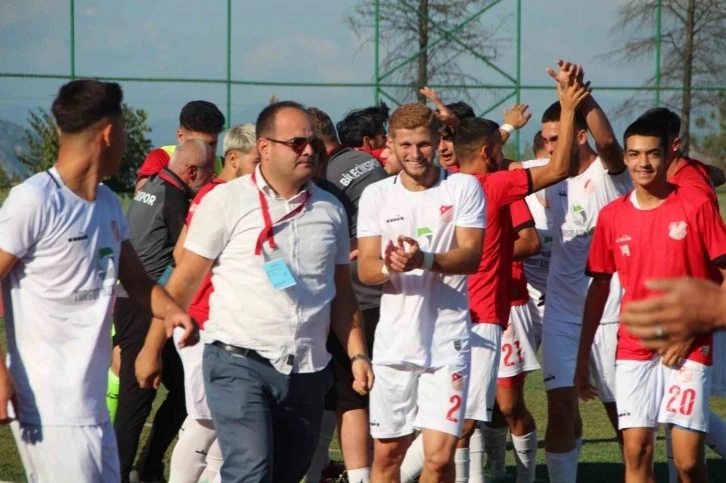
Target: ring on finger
[[660, 333]]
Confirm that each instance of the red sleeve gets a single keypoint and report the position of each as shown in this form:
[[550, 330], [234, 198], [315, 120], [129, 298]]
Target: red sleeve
[[601, 260], [713, 232], [155, 161], [690, 177], [521, 216], [509, 186]]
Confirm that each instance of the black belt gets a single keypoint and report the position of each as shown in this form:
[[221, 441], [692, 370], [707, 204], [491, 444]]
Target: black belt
[[240, 351]]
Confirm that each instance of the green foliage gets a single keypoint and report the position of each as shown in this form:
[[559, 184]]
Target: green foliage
[[5, 181], [525, 153], [712, 144], [43, 143]]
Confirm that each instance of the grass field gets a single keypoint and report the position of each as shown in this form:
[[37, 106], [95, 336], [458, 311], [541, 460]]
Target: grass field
[[599, 462]]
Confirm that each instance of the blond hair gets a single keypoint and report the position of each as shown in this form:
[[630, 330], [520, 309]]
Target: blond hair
[[241, 137]]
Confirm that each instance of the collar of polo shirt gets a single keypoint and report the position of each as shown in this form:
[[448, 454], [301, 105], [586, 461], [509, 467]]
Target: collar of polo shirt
[[309, 186]]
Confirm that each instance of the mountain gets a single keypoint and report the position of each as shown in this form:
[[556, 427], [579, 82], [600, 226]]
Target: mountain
[[12, 142]]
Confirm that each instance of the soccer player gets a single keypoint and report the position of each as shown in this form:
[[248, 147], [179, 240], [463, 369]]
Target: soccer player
[[365, 130], [657, 221], [597, 177], [197, 453], [419, 234], [198, 120], [63, 246]]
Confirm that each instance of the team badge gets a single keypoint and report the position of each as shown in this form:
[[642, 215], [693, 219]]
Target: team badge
[[457, 381], [446, 213], [706, 350], [589, 187], [677, 230], [685, 375], [116, 231]]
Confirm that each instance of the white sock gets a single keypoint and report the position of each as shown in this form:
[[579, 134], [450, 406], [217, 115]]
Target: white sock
[[413, 463], [461, 460], [190, 453], [476, 457], [716, 437], [525, 454], [562, 467], [672, 470], [214, 463], [321, 460], [362, 475], [495, 446]]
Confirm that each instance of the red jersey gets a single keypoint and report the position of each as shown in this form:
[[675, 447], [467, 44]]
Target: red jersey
[[694, 175], [521, 219], [155, 161], [199, 308], [489, 295], [684, 236], [453, 169]]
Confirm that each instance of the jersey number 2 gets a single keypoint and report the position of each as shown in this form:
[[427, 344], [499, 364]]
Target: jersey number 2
[[507, 348], [687, 400], [456, 404]]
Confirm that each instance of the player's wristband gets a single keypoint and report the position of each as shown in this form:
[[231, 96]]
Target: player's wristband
[[360, 356], [507, 127], [428, 261], [385, 272]]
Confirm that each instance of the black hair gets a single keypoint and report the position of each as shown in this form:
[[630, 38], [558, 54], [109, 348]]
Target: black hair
[[651, 127], [82, 103], [538, 143], [324, 125], [554, 112], [361, 123], [461, 110], [471, 134], [201, 116], [265, 125], [670, 121]]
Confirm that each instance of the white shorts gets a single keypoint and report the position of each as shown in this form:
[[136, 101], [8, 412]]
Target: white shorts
[[649, 393], [486, 343], [718, 384], [560, 343], [518, 344], [83, 454], [194, 393], [406, 397], [536, 305]]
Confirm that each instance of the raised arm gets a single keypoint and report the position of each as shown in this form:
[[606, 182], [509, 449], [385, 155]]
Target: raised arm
[[514, 120]]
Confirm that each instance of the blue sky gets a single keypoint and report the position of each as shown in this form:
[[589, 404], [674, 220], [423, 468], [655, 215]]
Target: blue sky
[[273, 40]]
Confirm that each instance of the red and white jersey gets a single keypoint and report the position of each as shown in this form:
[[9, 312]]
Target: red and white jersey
[[489, 295], [684, 236], [694, 174], [521, 219]]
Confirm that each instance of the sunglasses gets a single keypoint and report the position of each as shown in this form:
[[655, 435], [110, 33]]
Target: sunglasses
[[299, 144]]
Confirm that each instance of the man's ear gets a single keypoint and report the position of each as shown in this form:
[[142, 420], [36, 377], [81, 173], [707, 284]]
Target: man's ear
[[367, 142], [581, 136]]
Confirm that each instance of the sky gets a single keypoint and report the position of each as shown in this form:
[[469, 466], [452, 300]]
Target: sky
[[276, 40]]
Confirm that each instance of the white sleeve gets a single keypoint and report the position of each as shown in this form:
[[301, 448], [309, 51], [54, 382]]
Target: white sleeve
[[22, 219], [369, 224], [209, 233], [471, 212], [615, 185], [342, 257]]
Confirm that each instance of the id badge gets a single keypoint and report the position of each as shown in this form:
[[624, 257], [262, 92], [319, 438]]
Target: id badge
[[279, 274]]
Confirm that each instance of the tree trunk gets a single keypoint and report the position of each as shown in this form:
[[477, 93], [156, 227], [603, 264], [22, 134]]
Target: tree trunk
[[687, 78], [422, 79]]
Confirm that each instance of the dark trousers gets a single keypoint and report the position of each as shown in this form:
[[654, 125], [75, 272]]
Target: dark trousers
[[134, 403], [267, 423]]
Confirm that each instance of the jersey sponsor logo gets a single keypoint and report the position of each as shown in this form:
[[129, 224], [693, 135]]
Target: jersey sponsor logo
[[457, 345], [705, 350], [550, 377], [589, 187], [425, 233], [93, 294], [537, 263], [457, 382], [677, 230], [546, 248], [685, 375], [569, 234], [116, 231], [623, 239], [624, 414], [145, 198], [394, 219], [358, 171], [446, 213], [78, 238], [579, 214], [104, 264]]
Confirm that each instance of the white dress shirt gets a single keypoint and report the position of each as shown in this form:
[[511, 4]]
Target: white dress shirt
[[289, 326]]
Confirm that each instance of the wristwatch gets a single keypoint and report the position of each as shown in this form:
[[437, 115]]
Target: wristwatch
[[360, 356]]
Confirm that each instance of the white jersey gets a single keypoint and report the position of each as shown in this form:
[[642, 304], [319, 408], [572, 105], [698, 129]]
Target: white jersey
[[58, 298], [537, 267], [575, 204], [424, 315]]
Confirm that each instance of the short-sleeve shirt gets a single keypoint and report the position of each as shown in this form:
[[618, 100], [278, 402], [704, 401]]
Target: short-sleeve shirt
[[199, 307], [574, 205], [682, 237], [288, 326], [694, 175], [521, 219], [58, 298], [424, 315], [537, 267], [489, 297]]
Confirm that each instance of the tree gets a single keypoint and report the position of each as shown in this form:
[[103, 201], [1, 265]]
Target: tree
[[43, 143], [5, 181], [712, 144], [693, 50], [407, 27]]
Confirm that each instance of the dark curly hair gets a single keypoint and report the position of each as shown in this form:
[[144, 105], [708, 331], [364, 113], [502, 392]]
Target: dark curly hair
[[202, 116]]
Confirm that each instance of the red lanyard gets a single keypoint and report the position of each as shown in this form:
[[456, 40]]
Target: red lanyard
[[266, 233]]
